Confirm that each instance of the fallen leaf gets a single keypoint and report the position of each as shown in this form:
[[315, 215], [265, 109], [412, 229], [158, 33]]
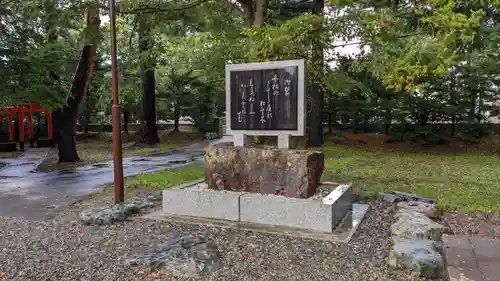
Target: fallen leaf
[[106, 244], [2, 273], [159, 274]]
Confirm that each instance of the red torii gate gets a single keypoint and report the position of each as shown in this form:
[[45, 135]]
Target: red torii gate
[[28, 107]]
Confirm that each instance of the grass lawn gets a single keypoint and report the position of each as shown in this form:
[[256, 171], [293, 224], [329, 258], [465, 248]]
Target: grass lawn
[[166, 178], [466, 182]]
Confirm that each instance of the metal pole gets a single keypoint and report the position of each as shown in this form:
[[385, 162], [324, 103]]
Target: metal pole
[[115, 110]]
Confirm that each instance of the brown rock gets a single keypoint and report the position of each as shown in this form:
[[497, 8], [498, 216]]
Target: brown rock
[[291, 173]]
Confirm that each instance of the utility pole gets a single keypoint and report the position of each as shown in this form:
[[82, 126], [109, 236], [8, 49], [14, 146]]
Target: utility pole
[[115, 111]]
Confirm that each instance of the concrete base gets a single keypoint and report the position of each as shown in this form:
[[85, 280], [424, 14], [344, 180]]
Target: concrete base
[[295, 212], [341, 234], [318, 214], [242, 140], [284, 141], [205, 203]]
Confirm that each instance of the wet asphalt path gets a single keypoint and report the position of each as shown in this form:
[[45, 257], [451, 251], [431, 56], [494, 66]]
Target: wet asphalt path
[[29, 195]]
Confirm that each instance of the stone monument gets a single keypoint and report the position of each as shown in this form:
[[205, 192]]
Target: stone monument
[[264, 187], [265, 99]]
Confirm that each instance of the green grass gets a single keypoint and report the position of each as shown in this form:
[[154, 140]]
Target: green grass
[[466, 182], [166, 178]]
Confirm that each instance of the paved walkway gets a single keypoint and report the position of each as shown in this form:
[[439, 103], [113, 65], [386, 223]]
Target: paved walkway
[[472, 258], [23, 165], [27, 194]]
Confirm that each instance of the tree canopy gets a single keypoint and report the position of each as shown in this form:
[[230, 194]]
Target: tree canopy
[[422, 61]]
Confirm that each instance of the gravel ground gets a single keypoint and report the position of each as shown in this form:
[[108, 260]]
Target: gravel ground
[[63, 249], [473, 223]]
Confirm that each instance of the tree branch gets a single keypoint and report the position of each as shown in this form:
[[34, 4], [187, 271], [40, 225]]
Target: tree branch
[[156, 9], [233, 7]]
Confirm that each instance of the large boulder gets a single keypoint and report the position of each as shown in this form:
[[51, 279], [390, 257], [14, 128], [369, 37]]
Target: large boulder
[[291, 173]]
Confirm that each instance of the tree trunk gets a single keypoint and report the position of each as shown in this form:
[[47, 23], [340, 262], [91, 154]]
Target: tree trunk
[[255, 11], [149, 132], [388, 122], [317, 93], [67, 142], [423, 118], [177, 117], [79, 86], [126, 119], [68, 114], [453, 125]]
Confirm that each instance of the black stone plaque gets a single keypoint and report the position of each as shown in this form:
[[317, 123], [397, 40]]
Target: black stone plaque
[[265, 99]]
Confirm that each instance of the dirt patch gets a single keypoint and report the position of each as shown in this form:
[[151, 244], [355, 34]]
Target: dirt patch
[[378, 142], [486, 224]]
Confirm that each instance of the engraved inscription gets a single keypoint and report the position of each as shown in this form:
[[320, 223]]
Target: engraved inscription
[[273, 91]]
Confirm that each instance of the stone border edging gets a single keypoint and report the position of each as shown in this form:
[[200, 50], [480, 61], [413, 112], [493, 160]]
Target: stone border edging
[[416, 239]]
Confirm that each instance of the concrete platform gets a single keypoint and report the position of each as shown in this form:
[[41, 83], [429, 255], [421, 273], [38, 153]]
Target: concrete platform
[[341, 234], [333, 216]]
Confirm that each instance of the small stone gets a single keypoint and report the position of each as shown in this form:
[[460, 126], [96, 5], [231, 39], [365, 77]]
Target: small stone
[[425, 208], [410, 197], [412, 224], [391, 198], [157, 196], [419, 256]]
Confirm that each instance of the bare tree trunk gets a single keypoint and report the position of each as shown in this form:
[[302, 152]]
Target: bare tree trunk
[[126, 119], [317, 93], [177, 117], [68, 114], [149, 131], [79, 86]]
